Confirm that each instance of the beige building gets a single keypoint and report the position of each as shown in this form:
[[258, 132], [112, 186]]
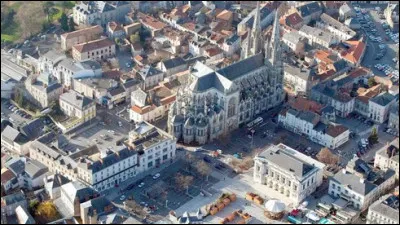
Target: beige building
[[388, 157], [384, 211], [96, 50], [80, 36], [94, 88], [79, 108], [42, 90]]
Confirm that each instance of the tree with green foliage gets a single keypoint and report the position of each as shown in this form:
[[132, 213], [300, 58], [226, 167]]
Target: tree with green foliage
[[371, 82], [64, 22], [71, 24], [373, 137], [47, 5], [134, 38]]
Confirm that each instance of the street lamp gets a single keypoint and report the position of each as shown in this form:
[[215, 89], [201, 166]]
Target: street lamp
[[252, 137]]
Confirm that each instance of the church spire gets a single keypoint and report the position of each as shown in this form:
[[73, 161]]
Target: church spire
[[275, 39], [256, 32]]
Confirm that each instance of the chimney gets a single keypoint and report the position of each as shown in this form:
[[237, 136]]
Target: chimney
[[362, 180], [344, 171]]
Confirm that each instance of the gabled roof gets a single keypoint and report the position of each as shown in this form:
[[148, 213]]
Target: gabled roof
[[23, 216], [35, 169], [148, 71], [293, 19], [335, 130], [93, 45], [383, 99], [308, 9], [174, 62], [11, 135], [12, 199], [7, 176]]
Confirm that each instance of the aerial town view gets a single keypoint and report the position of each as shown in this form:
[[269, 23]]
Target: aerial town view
[[199, 112]]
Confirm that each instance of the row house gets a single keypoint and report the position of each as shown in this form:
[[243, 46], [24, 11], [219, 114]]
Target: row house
[[341, 31], [96, 50]]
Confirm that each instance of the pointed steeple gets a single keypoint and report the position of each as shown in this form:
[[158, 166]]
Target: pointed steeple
[[246, 50], [256, 32], [275, 40]]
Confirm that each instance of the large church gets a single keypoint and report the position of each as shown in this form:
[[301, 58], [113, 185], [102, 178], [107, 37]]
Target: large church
[[216, 102]]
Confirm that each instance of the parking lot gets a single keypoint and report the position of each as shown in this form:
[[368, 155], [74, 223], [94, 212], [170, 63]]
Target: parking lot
[[382, 43], [15, 116]]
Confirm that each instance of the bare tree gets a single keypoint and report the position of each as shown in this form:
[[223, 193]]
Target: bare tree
[[30, 17], [183, 182], [203, 168], [189, 160], [327, 157]]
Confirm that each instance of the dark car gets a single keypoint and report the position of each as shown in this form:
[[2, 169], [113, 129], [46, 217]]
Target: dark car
[[206, 159], [130, 187]]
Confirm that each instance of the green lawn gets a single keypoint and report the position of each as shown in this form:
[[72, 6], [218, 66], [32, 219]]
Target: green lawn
[[57, 15], [11, 33]]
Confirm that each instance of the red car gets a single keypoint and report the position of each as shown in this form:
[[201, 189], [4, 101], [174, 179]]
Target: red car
[[358, 154]]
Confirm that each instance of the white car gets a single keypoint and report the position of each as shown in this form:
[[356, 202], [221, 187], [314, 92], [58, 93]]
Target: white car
[[119, 123], [141, 185], [155, 177], [122, 197]]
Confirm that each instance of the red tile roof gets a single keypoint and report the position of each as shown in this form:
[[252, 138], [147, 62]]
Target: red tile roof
[[143, 110], [213, 51], [360, 71], [95, 29], [7, 176], [168, 100], [93, 45], [225, 15], [189, 26], [354, 53], [293, 19], [151, 21], [303, 104]]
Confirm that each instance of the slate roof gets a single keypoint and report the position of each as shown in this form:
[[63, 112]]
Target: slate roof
[[352, 181], [140, 96], [308, 9], [76, 99], [13, 198], [242, 67], [111, 159], [383, 99], [148, 71], [77, 189], [304, 74], [59, 180], [116, 91], [174, 62], [386, 210]]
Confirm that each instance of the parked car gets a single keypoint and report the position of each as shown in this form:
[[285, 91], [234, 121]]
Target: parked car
[[156, 176], [122, 197], [141, 185]]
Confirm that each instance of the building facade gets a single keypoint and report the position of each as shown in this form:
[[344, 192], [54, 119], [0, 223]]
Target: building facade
[[100, 12], [96, 50], [80, 36], [288, 172], [216, 102], [384, 211]]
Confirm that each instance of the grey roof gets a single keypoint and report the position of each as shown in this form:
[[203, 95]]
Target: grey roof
[[340, 65], [303, 73], [308, 9], [12, 70], [78, 190], [130, 83], [58, 180], [23, 216], [33, 129], [317, 33], [148, 71], [75, 99], [383, 99], [35, 169], [292, 37], [13, 198], [242, 67], [45, 149], [386, 210], [264, 12], [308, 116], [11, 135], [89, 64], [232, 39], [112, 159], [54, 56], [99, 204], [16, 165], [70, 65], [345, 8], [287, 160], [174, 62], [352, 181], [116, 91]]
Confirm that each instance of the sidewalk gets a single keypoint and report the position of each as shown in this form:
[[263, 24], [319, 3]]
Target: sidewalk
[[113, 193]]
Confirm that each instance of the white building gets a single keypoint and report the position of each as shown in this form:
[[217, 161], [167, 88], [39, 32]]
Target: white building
[[100, 12], [13, 140], [341, 31], [94, 88], [394, 117], [150, 76], [96, 50], [42, 90], [317, 37], [231, 45], [384, 211], [294, 41], [80, 36], [78, 107], [379, 107], [388, 157], [173, 66], [67, 69], [155, 147], [359, 191], [299, 80], [310, 124], [288, 172]]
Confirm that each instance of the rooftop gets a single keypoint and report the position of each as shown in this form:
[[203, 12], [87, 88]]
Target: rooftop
[[93, 45], [336, 24], [94, 29], [387, 206], [290, 160], [383, 99], [75, 99], [145, 135]]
